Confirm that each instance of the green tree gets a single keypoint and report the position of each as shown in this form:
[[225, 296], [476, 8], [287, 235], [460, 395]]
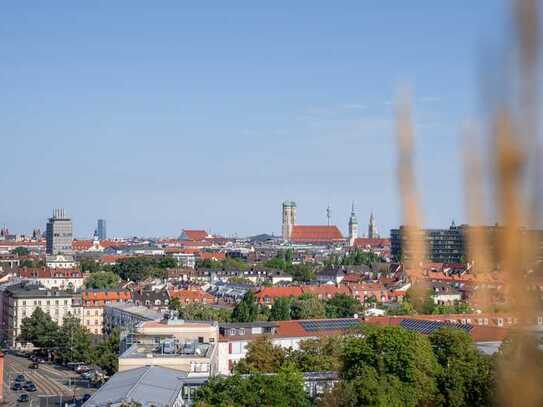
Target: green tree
[[21, 251], [262, 357], [317, 355], [307, 306], [276, 263], [74, 342], [466, 377], [391, 365], [106, 353], [342, 306], [200, 312], [167, 262], [284, 389], [247, 309], [403, 308], [39, 329], [280, 310], [420, 297], [89, 265], [301, 272], [102, 280], [359, 257]]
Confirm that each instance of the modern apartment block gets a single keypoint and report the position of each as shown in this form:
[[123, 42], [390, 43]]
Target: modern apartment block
[[452, 245], [442, 245], [187, 346], [58, 233]]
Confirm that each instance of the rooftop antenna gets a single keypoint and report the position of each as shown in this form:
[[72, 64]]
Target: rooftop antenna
[[328, 213]]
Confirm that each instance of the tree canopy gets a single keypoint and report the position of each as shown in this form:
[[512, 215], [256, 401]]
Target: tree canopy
[[247, 309], [200, 312], [39, 329], [21, 251], [466, 376], [342, 306], [284, 389], [139, 268], [102, 280]]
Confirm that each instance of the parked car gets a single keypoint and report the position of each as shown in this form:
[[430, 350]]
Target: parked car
[[82, 369], [20, 378], [31, 387], [16, 386], [23, 398], [73, 365]]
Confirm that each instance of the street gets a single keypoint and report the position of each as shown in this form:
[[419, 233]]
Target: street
[[50, 380]]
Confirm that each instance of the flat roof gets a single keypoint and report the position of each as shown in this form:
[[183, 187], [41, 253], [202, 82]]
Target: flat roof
[[152, 351]]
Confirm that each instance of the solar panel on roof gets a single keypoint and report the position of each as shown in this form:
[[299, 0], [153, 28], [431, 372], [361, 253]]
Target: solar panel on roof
[[427, 327], [331, 324]]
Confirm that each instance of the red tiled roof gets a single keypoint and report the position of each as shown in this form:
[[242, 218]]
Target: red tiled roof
[[305, 233], [352, 278], [111, 258], [324, 291], [106, 295], [191, 234], [212, 256], [367, 242], [81, 245], [191, 295], [190, 250], [276, 292]]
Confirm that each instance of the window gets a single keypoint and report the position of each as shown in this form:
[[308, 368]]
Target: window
[[232, 332], [242, 331], [236, 348], [65, 302]]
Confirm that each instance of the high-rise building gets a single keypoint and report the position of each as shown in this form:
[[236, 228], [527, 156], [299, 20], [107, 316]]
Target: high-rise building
[[372, 228], [101, 232], [353, 227], [289, 219], [58, 233]]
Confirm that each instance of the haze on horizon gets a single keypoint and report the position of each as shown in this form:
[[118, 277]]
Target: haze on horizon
[[170, 116]]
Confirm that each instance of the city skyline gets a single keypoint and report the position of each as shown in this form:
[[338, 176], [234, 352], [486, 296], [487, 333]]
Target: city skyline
[[181, 118]]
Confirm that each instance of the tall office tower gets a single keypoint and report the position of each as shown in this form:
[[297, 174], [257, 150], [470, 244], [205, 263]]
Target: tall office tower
[[353, 227], [101, 229], [372, 228], [58, 233], [289, 218]]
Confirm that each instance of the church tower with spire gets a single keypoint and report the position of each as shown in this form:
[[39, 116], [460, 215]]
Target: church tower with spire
[[353, 227], [372, 228]]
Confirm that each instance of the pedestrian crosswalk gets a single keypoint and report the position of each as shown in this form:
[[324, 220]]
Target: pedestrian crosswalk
[[48, 380]]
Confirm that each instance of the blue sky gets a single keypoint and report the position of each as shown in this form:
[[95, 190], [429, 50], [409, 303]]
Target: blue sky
[[163, 115]]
